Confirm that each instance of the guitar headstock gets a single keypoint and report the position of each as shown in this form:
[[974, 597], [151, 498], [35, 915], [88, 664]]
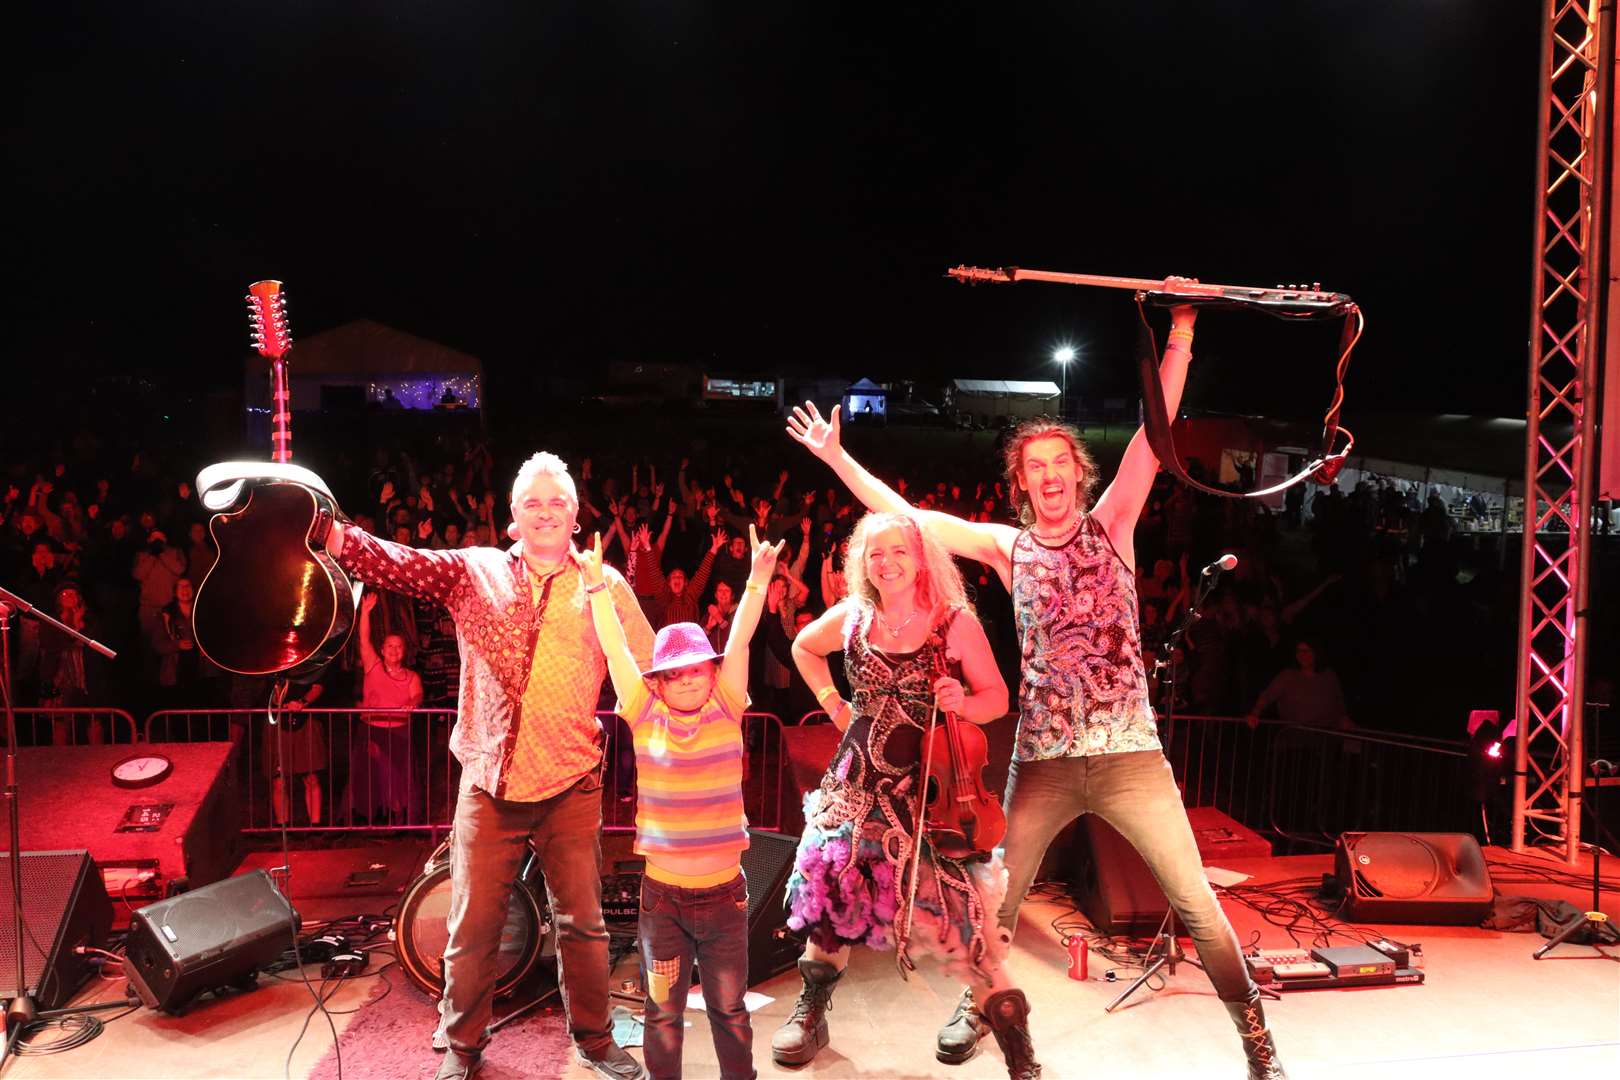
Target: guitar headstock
[[267, 314], [976, 275]]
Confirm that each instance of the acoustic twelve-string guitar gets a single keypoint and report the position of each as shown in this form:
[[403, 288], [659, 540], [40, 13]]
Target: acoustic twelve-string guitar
[[274, 602]]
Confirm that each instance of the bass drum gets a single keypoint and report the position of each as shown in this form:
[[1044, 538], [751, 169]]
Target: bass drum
[[421, 931]]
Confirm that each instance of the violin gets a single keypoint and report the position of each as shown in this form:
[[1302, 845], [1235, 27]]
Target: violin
[[961, 816]]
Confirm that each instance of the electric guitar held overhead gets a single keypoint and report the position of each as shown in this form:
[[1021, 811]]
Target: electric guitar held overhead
[[274, 601]]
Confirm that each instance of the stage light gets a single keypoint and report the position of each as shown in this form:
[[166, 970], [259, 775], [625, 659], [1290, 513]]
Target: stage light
[[1063, 354], [1494, 750]]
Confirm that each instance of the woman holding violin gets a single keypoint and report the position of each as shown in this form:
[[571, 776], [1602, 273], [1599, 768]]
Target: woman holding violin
[[870, 868]]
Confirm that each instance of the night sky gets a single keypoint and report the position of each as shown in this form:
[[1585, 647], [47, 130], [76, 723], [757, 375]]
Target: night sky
[[781, 187]]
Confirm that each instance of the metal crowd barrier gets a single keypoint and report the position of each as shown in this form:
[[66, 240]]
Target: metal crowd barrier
[[348, 768], [1304, 786], [73, 726], [1300, 785], [392, 768]]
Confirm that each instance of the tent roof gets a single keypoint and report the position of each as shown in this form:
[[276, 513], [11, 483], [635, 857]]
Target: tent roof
[[1477, 446], [1007, 387], [867, 386], [364, 347]]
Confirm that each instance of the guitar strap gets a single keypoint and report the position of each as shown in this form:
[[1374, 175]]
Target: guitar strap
[[1156, 419]]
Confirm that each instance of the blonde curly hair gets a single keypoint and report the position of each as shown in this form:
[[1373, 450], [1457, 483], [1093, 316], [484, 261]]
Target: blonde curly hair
[[939, 582]]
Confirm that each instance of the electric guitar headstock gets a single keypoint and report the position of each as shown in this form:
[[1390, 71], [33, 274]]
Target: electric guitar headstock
[[267, 315]]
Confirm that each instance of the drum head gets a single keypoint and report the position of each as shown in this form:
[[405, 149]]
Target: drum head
[[421, 933]]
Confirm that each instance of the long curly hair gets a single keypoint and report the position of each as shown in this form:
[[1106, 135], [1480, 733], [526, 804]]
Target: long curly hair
[[1044, 427], [939, 582]]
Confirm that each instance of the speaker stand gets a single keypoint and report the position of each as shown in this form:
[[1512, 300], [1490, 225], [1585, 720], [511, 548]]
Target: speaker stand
[[21, 1010], [1603, 931]]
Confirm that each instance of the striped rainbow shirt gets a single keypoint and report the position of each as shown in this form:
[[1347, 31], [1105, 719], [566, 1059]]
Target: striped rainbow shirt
[[689, 773]]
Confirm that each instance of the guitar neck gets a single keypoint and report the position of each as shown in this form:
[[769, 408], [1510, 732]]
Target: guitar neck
[[267, 314], [280, 412]]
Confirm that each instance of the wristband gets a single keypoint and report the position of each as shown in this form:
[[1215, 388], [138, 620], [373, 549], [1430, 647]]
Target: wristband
[[598, 587], [753, 586], [830, 691]]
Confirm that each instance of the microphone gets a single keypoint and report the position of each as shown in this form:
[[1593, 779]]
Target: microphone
[[1225, 562]]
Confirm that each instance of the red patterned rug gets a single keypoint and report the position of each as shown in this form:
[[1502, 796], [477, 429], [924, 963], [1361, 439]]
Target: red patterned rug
[[390, 1040]]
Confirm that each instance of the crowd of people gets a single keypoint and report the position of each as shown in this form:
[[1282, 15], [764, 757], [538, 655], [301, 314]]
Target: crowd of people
[[1344, 608]]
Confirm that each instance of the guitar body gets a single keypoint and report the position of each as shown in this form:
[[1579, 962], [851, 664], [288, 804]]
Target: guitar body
[[273, 602]]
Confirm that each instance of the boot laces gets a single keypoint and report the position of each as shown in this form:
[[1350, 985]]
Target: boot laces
[[811, 999]]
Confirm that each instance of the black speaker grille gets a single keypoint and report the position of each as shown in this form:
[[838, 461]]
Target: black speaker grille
[[49, 882]]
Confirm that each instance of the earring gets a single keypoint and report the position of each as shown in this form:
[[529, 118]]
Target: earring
[[576, 527], [513, 531]]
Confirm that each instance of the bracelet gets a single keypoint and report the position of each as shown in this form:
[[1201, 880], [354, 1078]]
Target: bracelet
[[598, 587], [826, 692], [1184, 335], [754, 586]]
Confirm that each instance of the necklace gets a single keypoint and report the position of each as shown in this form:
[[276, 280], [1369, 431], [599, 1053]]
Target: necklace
[[1060, 534], [896, 631]]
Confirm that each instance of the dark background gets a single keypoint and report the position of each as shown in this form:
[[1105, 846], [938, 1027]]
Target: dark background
[[780, 188]]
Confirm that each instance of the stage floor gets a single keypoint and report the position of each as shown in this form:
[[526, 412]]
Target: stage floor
[[1487, 1010]]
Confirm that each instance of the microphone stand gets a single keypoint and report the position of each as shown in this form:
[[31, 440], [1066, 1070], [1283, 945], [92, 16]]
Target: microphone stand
[[1166, 938], [21, 1010]]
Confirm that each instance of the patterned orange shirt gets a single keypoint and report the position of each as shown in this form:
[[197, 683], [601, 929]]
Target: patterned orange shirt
[[531, 667]]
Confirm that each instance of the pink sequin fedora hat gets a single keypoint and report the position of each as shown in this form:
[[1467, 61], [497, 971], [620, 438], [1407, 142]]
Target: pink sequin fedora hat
[[678, 645]]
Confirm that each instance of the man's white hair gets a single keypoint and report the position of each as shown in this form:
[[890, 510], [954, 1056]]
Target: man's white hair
[[544, 464]]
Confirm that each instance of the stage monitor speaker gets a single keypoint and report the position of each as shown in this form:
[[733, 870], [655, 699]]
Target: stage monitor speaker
[[65, 907], [772, 947], [203, 940], [1401, 877], [1109, 881]]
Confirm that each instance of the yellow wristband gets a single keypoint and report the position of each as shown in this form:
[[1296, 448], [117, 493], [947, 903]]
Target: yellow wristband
[[826, 692], [753, 586]]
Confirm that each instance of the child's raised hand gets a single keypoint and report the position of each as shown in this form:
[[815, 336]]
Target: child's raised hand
[[368, 601], [593, 561], [765, 556]]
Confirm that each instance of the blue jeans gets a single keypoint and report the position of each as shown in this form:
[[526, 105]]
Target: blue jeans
[[1136, 794], [487, 848], [711, 926]]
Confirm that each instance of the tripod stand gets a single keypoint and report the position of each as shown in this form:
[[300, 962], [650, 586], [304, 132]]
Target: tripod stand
[[1602, 929], [1169, 958], [21, 1010]]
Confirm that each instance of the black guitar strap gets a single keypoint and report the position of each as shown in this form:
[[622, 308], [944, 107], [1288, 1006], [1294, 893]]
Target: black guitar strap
[[1156, 418]]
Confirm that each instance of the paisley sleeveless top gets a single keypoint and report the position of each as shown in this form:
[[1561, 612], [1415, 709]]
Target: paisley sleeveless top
[[1084, 688]]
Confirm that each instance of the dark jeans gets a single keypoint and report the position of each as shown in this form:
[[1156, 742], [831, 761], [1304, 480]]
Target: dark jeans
[[486, 850], [711, 926], [1136, 794]]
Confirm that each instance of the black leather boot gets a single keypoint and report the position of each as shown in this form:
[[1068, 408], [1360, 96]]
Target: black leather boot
[[961, 1034], [1007, 1013], [805, 1032], [1258, 1046]]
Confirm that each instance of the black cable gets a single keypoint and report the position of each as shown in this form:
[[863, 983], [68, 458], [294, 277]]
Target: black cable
[[278, 694]]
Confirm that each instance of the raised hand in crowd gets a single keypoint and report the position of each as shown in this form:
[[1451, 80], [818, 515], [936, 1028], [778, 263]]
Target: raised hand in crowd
[[719, 541]]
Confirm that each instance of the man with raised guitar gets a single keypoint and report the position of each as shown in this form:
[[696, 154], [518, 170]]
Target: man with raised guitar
[[1087, 740], [530, 750]]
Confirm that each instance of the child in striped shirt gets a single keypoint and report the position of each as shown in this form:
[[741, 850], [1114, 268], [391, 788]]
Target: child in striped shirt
[[685, 717]]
